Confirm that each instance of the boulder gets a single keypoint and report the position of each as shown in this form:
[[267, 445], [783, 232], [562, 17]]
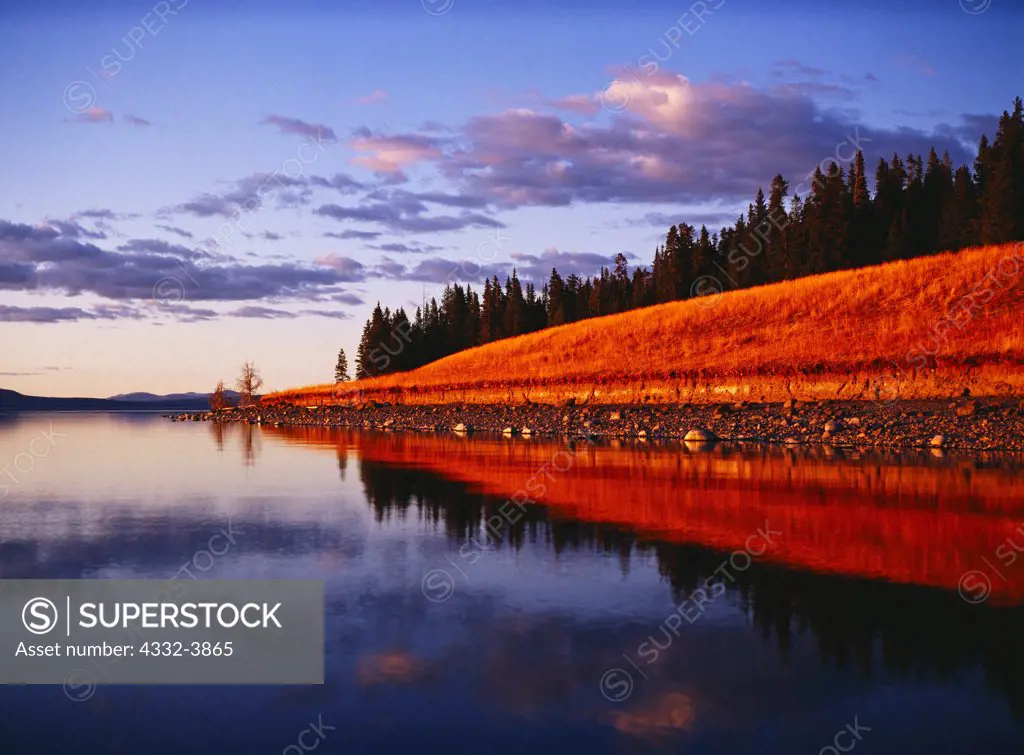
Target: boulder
[[699, 435], [938, 441]]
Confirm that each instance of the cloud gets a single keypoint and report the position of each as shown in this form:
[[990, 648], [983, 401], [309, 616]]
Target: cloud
[[267, 313], [105, 214], [399, 248], [537, 267], [286, 125], [95, 114], [790, 66], [335, 315], [971, 127], [252, 193], [350, 299], [176, 231], [392, 154], [249, 194], [50, 314], [270, 236], [577, 103], [376, 97], [339, 181], [674, 142], [389, 268], [75, 230], [136, 121], [347, 268], [713, 219], [41, 258], [407, 217], [361, 235]]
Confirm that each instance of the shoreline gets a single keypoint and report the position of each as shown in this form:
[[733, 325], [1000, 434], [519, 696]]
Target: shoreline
[[975, 424]]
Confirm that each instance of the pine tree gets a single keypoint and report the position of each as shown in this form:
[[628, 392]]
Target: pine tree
[[1002, 218], [556, 300], [341, 368]]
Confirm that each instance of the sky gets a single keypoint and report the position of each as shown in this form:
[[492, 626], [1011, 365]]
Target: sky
[[189, 184]]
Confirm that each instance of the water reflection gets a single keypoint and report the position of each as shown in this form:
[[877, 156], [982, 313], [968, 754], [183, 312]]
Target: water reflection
[[907, 518], [868, 538], [855, 613]]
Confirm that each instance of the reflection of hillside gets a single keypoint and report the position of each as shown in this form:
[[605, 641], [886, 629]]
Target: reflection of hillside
[[906, 515], [915, 521]]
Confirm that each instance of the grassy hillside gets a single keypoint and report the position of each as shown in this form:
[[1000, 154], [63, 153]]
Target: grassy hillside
[[923, 328]]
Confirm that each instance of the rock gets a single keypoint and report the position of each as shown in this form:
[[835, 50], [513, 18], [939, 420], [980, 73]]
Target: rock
[[939, 441], [389, 422], [462, 429], [614, 417], [831, 427], [967, 409], [853, 421], [699, 435], [526, 432], [509, 431], [641, 434], [791, 441]]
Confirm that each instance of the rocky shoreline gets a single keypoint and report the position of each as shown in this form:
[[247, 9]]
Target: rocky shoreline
[[967, 423]]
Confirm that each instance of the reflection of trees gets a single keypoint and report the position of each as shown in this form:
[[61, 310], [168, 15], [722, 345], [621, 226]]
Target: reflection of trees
[[252, 443], [856, 623], [250, 439], [219, 431]]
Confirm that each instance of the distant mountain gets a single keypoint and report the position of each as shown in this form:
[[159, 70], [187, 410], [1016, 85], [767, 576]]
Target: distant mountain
[[12, 401], [231, 395]]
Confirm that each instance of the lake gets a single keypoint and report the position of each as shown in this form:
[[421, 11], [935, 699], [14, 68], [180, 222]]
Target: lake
[[488, 595]]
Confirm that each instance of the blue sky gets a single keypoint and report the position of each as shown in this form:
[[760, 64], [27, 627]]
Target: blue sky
[[435, 140]]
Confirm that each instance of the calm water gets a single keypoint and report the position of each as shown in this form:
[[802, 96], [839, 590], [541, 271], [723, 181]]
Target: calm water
[[832, 590]]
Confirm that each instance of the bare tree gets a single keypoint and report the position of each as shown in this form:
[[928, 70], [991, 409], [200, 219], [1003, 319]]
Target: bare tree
[[249, 384], [217, 399]]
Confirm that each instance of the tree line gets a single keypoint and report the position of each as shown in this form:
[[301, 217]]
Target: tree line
[[917, 207]]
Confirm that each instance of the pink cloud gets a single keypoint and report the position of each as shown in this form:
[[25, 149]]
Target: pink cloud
[[95, 114], [583, 104], [391, 154], [376, 97]]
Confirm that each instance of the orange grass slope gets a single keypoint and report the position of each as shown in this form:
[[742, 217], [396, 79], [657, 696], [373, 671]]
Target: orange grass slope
[[923, 328]]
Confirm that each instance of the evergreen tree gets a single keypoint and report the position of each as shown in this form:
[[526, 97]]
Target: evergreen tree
[[556, 300], [341, 368]]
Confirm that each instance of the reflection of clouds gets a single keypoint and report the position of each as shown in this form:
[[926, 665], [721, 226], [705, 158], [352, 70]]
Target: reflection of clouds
[[391, 667], [668, 713]]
